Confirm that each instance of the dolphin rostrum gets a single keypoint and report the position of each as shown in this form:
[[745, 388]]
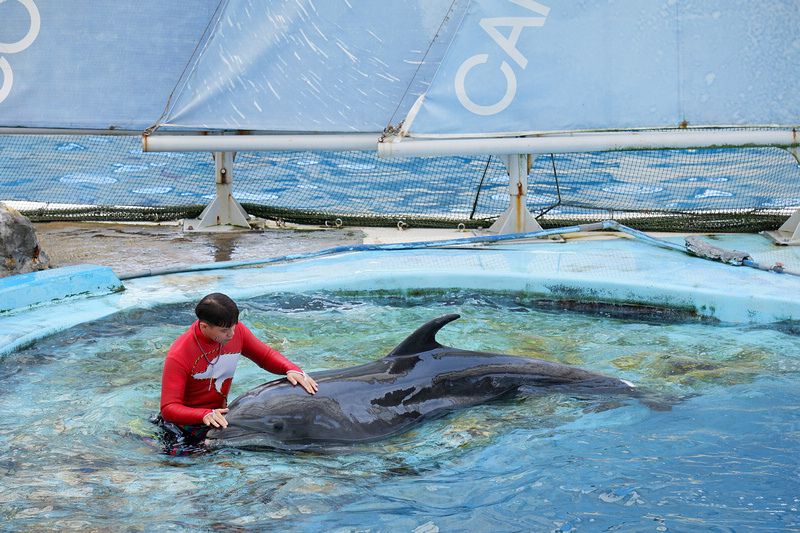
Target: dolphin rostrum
[[420, 379]]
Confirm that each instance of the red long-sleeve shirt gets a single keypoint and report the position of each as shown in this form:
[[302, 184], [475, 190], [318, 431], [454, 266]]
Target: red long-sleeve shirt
[[198, 372]]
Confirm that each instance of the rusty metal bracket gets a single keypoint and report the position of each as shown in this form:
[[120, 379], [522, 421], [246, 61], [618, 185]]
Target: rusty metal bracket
[[517, 218]]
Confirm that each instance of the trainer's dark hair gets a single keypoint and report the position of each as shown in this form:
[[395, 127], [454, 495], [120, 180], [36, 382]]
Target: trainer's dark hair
[[217, 309]]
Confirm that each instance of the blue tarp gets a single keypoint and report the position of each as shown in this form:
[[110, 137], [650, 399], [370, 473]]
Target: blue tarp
[[332, 66], [94, 64], [507, 66], [518, 66]]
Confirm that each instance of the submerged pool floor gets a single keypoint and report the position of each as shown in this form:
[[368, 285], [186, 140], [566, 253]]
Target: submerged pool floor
[[587, 268]]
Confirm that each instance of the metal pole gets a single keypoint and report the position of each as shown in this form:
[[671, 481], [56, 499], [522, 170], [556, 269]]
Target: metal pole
[[588, 142]]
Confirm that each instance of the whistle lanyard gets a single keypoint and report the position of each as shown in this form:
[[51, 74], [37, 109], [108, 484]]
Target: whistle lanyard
[[205, 356]]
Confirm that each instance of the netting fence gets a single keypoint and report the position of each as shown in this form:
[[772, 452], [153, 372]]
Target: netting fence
[[65, 177]]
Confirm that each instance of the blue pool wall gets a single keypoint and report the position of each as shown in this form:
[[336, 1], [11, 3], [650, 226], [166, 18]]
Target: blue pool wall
[[615, 270]]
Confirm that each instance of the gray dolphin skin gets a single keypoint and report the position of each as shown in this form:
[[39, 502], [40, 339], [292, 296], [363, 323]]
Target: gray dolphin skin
[[420, 379]]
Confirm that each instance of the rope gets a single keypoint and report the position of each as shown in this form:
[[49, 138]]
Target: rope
[[148, 131], [391, 130]]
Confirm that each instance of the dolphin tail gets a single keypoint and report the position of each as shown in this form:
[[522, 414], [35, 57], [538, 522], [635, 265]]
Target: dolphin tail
[[424, 338]]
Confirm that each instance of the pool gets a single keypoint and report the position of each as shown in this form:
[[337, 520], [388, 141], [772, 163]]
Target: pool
[[83, 375], [724, 459]]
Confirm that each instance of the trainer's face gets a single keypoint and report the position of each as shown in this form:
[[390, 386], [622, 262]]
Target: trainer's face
[[217, 333]]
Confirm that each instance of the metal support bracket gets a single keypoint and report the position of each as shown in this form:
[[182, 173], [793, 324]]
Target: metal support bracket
[[789, 233], [224, 213], [517, 218]]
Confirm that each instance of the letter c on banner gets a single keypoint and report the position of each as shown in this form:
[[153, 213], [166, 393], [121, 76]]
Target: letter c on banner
[[19, 46], [461, 93]]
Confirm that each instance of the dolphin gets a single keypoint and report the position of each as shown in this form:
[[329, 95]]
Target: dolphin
[[420, 379]]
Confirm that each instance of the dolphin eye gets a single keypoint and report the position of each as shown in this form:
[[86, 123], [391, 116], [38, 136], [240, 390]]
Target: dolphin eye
[[277, 425]]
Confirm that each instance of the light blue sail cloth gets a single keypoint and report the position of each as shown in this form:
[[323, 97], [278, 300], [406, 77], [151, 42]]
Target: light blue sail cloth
[[276, 65], [485, 67], [495, 67], [93, 63], [518, 66], [332, 66]]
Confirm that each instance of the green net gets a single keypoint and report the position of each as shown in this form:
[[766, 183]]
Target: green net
[[60, 177]]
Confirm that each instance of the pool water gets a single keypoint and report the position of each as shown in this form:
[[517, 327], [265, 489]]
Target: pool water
[[725, 458]]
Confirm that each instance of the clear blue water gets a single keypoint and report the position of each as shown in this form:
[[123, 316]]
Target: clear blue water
[[724, 459]]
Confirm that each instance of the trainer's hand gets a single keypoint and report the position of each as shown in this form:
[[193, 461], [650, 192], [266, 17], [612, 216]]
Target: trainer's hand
[[215, 418], [304, 380]]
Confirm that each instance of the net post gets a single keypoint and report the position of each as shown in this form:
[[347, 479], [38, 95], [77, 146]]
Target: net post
[[517, 218], [224, 213]]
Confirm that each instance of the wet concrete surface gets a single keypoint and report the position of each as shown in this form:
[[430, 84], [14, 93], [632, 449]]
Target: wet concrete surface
[[127, 248]]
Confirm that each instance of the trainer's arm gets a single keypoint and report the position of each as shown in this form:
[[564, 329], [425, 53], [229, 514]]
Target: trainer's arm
[[173, 389], [273, 361]]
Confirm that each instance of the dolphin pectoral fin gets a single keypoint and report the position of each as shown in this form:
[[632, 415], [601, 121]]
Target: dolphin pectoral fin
[[660, 402], [424, 338]]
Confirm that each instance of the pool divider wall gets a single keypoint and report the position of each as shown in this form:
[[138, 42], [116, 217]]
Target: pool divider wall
[[707, 303], [55, 285]]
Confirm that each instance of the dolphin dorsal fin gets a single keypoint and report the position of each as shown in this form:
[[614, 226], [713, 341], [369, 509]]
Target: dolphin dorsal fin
[[424, 338]]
